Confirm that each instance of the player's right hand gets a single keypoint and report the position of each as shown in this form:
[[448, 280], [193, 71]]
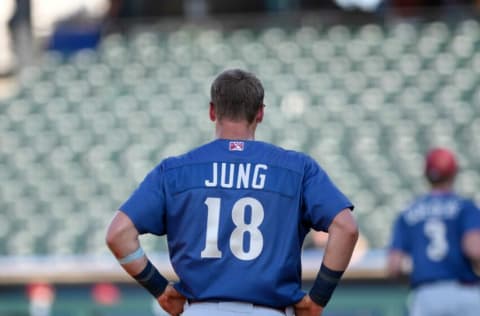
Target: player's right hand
[[307, 307], [172, 301]]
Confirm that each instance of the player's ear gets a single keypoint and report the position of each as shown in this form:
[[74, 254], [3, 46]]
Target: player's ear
[[211, 113], [260, 114]]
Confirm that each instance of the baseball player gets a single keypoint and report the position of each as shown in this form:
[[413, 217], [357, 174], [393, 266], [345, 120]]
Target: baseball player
[[236, 212], [440, 232]]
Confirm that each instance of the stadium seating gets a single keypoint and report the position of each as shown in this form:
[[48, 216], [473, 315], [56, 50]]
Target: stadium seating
[[366, 101]]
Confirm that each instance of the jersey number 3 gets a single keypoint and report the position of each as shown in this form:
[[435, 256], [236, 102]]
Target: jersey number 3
[[436, 231], [237, 237]]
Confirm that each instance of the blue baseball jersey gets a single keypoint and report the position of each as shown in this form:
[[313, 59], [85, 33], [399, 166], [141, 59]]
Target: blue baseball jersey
[[236, 214], [431, 231]]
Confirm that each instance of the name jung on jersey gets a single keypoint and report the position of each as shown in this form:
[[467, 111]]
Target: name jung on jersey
[[237, 175]]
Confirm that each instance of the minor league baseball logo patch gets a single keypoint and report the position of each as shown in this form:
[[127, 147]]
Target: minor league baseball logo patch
[[236, 146]]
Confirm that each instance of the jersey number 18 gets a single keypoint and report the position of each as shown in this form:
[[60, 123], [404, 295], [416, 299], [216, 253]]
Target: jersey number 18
[[237, 237]]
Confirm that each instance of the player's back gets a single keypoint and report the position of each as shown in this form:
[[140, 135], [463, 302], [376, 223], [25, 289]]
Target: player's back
[[431, 230], [235, 223]]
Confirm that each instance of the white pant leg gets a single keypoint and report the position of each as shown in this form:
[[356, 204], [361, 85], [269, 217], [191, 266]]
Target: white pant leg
[[229, 309], [447, 298], [418, 303], [468, 301]]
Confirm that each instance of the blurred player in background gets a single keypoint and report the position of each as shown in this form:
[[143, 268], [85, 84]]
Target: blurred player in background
[[440, 232], [236, 212]]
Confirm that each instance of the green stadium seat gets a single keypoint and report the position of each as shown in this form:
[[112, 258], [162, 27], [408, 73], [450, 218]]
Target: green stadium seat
[[366, 101]]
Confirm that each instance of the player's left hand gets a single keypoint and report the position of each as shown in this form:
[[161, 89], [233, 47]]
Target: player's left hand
[[172, 301], [307, 307]]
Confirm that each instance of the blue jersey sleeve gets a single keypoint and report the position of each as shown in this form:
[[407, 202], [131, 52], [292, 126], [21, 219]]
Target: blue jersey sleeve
[[399, 238], [146, 206], [322, 200], [470, 217]]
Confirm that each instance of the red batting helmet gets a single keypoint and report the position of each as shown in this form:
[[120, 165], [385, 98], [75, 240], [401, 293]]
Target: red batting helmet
[[440, 165]]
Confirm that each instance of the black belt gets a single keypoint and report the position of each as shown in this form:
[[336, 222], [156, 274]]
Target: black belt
[[279, 309]]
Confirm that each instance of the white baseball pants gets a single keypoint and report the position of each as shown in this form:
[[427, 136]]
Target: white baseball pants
[[232, 309], [449, 298]]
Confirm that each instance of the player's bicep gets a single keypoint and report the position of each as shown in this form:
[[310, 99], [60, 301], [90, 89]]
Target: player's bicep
[[122, 225], [122, 235], [322, 199], [146, 206], [471, 245]]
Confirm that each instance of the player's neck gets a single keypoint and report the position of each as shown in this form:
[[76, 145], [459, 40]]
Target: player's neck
[[442, 188], [235, 130]]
